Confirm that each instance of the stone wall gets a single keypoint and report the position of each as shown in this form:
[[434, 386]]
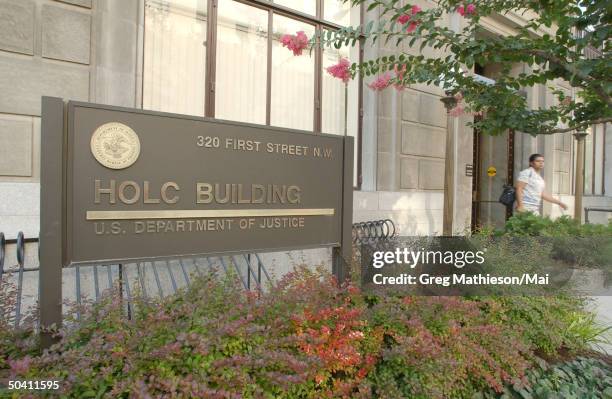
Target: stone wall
[[414, 213], [411, 131], [44, 51], [410, 128]]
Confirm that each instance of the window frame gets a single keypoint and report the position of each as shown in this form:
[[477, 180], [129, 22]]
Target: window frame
[[597, 171], [603, 174], [272, 9]]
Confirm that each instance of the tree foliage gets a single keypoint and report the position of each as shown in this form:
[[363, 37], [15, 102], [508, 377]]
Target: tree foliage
[[559, 40]]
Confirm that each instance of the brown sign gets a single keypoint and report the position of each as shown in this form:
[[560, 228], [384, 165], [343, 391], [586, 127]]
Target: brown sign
[[144, 185]]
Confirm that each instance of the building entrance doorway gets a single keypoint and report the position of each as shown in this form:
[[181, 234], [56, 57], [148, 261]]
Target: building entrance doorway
[[493, 167]]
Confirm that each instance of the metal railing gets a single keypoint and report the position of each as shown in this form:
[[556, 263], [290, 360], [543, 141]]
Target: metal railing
[[374, 234], [375, 230], [151, 279]]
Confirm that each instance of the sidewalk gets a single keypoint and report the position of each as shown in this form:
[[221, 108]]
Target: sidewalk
[[603, 307]]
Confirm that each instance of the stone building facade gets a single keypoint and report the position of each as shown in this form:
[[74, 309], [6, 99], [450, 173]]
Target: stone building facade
[[404, 175]]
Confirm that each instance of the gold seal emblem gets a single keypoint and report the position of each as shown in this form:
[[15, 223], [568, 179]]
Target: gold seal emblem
[[115, 145]]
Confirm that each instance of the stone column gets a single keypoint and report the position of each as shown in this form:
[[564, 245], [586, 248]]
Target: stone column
[[579, 189], [449, 167], [116, 48]]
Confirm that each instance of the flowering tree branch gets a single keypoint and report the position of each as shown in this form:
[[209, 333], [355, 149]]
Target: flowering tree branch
[[581, 126], [547, 45]]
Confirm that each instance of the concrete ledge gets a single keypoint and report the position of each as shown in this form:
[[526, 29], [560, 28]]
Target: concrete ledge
[[19, 209], [280, 263], [414, 213], [598, 202]]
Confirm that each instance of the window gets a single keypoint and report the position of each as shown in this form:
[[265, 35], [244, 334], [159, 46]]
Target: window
[[335, 94], [337, 11], [242, 41], [594, 160], [175, 56], [599, 159], [224, 59], [588, 162], [293, 79], [305, 6]]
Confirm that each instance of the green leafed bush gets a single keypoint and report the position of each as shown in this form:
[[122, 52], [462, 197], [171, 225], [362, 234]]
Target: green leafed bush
[[530, 224], [579, 378], [583, 245], [549, 324]]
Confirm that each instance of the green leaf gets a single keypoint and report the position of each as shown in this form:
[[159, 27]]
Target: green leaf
[[373, 5]]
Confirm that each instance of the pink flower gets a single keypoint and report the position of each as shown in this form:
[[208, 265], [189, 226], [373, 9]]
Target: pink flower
[[404, 18], [470, 9], [296, 43], [407, 17], [381, 82], [340, 70]]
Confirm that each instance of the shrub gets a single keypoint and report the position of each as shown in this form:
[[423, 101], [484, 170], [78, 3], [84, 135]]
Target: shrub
[[550, 324], [530, 224], [584, 245], [305, 339], [15, 343], [580, 378], [440, 347]]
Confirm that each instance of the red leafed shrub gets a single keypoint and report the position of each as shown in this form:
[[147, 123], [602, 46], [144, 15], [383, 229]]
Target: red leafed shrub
[[440, 347], [215, 340], [16, 345], [339, 337]]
